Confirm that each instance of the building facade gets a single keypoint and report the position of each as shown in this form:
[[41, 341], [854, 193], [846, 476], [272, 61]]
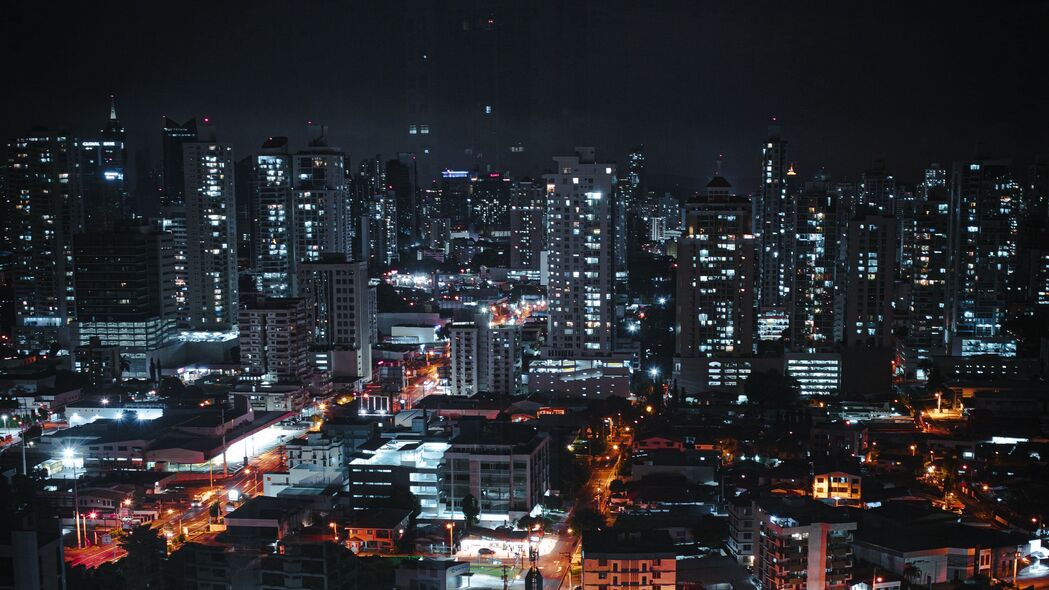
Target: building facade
[[211, 237], [580, 260]]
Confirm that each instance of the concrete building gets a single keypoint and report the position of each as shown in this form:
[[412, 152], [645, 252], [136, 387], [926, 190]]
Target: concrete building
[[274, 339], [505, 466], [337, 298], [31, 554], [125, 292], [816, 292], [802, 544], [43, 182], [411, 462], [871, 275], [580, 261], [322, 219], [527, 224], [615, 560], [211, 236], [715, 277], [485, 358], [985, 209], [774, 211], [432, 574], [103, 182], [271, 183], [926, 320]]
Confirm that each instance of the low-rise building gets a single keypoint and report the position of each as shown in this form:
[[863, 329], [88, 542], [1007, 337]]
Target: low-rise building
[[432, 574], [376, 531], [628, 561]]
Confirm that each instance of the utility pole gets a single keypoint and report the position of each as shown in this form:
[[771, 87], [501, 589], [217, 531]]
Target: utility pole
[[225, 465]]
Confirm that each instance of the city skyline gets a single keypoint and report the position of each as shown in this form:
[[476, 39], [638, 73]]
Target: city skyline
[[910, 100]]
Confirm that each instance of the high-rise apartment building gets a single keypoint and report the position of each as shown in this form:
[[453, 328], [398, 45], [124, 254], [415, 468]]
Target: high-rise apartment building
[[43, 186], [527, 227], [774, 213], [173, 204], [580, 260], [715, 277], [211, 237], [485, 358], [173, 136], [816, 295], [337, 293], [877, 191], [926, 318], [869, 283], [322, 216], [103, 163], [465, 363], [985, 216], [274, 339], [275, 247], [125, 292]]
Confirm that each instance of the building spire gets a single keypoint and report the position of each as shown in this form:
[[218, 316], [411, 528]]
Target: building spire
[[112, 107]]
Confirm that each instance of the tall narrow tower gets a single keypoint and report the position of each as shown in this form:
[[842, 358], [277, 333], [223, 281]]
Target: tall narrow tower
[[580, 261], [774, 213]]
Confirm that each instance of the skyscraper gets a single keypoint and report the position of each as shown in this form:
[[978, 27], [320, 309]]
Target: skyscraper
[[926, 316], [580, 260], [715, 277], [815, 291], [985, 216], [125, 291], [275, 247], [174, 135], [336, 294], [173, 204], [871, 275], [527, 227], [103, 163], [211, 237], [43, 185], [877, 191], [774, 212], [321, 218]]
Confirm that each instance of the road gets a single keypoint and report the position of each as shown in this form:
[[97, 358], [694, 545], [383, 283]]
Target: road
[[194, 520], [425, 380], [94, 556], [593, 496]]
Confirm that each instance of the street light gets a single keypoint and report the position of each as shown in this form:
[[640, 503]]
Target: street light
[[653, 372], [334, 531], [451, 537]]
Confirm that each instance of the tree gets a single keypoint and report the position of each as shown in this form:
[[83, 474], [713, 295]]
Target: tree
[[125, 365], [616, 486], [143, 565], [213, 512], [772, 389], [471, 509], [585, 519], [912, 573]]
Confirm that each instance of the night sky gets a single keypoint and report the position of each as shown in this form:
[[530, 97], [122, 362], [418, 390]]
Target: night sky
[[849, 81]]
